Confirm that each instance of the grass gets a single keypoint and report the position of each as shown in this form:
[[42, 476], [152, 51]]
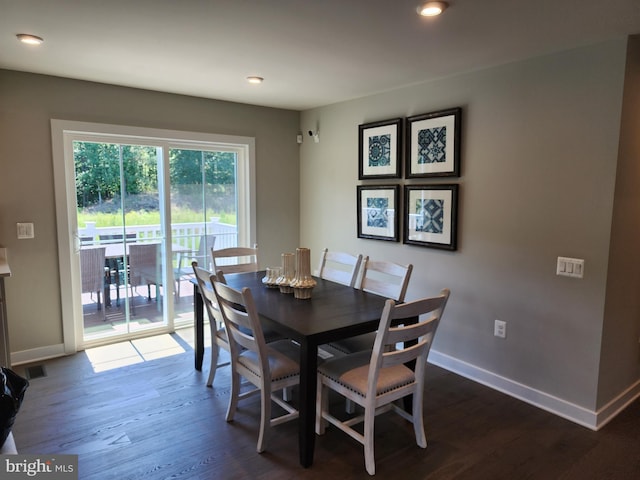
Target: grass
[[142, 217]]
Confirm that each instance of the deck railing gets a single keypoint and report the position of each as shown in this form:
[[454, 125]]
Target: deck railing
[[186, 235]]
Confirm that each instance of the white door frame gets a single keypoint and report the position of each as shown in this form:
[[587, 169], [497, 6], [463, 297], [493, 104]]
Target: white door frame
[[63, 132]]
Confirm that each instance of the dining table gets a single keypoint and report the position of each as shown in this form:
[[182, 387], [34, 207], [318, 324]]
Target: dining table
[[333, 312]]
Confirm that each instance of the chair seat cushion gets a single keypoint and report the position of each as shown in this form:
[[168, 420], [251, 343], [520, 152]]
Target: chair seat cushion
[[352, 371], [282, 363]]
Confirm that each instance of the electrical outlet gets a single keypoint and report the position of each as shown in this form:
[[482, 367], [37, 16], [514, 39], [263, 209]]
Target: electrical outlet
[[500, 329]]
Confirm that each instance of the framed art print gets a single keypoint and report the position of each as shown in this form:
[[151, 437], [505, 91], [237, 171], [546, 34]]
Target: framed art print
[[433, 144], [431, 214], [380, 149], [378, 212]]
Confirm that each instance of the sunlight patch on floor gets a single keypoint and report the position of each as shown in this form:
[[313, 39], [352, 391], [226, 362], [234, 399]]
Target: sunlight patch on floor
[[122, 354], [188, 335]]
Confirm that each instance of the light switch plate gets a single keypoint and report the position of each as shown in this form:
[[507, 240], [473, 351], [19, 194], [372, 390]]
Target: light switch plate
[[25, 230], [570, 267]]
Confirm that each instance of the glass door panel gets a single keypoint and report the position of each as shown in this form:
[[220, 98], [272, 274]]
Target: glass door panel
[[145, 241], [203, 215], [127, 230]]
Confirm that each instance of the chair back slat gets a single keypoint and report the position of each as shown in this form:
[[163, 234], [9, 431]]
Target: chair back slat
[[407, 333], [241, 320], [404, 355], [204, 278], [422, 318], [387, 279], [235, 259], [206, 244], [340, 267]]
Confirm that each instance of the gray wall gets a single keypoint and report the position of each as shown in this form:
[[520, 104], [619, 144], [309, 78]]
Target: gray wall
[[539, 156], [28, 103], [621, 331]]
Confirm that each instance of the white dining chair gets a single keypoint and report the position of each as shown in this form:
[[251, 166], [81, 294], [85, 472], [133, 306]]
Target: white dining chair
[[383, 278], [377, 379], [219, 339], [268, 367]]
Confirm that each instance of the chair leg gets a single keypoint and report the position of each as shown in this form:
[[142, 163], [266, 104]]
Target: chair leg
[[132, 301], [349, 406], [287, 394], [103, 308], [369, 461], [265, 418], [215, 353], [233, 396], [321, 406], [418, 421]]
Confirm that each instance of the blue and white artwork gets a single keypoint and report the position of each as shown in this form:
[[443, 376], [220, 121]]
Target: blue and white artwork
[[380, 150], [429, 215], [432, 143], [377, 212]]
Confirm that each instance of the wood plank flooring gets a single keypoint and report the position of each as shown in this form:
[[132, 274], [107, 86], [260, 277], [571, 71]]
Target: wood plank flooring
[[157, 420]]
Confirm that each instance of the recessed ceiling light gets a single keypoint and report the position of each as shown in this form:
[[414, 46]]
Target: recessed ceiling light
[[29, 39], [255, 80], [432, 9]]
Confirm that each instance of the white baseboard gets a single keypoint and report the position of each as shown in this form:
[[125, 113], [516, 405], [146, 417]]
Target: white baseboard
[[575, 413], [37, 354], [618, 404]]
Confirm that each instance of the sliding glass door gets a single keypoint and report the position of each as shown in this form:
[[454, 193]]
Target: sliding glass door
[[135, 207]]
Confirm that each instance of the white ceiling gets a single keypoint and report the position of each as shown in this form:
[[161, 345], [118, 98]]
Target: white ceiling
[[310, 52]]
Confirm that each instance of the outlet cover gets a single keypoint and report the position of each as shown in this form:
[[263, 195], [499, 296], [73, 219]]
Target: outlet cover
[[570, 267], [500, 329], [25, 230]]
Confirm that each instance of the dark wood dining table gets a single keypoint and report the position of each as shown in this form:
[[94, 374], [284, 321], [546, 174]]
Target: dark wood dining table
[[333, 312]]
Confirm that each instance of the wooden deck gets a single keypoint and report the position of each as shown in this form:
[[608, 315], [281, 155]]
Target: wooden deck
[[99, 321]]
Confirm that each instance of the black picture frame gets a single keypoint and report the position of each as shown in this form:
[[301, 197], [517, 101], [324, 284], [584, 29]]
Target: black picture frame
[[380, 149], [433, 144], [431, 216], [378, 212]]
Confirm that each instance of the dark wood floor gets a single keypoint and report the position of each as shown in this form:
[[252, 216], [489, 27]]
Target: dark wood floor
[[157, 420]]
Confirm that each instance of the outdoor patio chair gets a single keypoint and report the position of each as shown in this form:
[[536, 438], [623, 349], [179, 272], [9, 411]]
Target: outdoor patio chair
[[92, 272], [144, 267], [117, 266]]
